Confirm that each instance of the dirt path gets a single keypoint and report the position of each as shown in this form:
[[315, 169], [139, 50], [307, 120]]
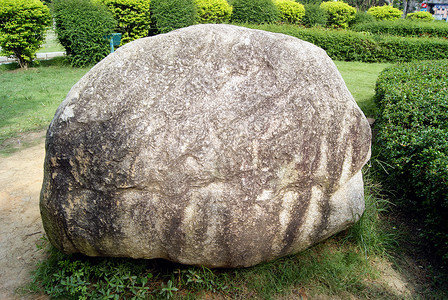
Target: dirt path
[[20, 224]]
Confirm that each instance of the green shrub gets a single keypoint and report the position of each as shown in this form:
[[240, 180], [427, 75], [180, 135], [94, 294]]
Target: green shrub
[[356, 46], [421, 16], [81, 26], [339, 13], [167, 15], [254, 12], [291, 12], [412, 142], [362, 17], [22, 28], [132, 16], [213, 11], [407, 28], [385, 12], [314, 16]]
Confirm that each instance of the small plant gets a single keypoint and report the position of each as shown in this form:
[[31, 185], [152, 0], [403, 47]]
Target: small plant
[[168, 289], [255, 12], [291, 12], [385, 12], [22, 28], [314, 16], [420, 16], [132, 16], [167, 15], [340, 14], [81, 27], [213, 11]]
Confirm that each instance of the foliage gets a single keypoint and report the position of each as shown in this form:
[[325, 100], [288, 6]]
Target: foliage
[[357, 46], [81, 26], [22, 28], [213, 11], [132, 16], [409, 28], [385, 12], [412, 142], [291, 12], [314, 16], [421, 16], [340, 13], [254, 12], [362, 17], [363, 5], [167, 15]]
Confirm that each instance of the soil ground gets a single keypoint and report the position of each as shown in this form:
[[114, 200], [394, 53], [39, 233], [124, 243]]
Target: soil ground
[[20, 225], [21, 175]]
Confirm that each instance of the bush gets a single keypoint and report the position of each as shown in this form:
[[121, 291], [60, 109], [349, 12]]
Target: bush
[[213, 11], [81, 26], [167, 15], [409, 28], [385, 12], [412, 142], [22, 28], [255, 12], [362, 17], [314, 16], [421, 16], [339, 13], [291, 12], [132, 16], [355, 46]]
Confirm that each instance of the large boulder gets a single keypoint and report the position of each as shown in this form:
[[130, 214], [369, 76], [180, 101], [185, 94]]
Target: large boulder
[[211, 145]]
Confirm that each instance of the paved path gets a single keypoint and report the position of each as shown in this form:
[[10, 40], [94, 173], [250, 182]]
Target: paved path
[[39, 56]]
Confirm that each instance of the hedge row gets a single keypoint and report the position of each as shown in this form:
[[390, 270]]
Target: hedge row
[[407, 28], [354, 46], [412, 142]]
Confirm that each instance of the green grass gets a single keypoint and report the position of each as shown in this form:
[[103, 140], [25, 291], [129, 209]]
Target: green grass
[[360, 79], [29, 98]]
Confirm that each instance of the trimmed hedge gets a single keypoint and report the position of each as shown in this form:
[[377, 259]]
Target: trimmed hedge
[[81, 26], [213, 11], [408, 28], [22, 28], [132, 17], [355, 46], [167, 15], [385, 12], [421, 16], [291, 12], [412, 142], [254, 12], [340, 14]]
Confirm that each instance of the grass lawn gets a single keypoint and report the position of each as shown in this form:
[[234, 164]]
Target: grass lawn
[[29, 98], [360, 79]]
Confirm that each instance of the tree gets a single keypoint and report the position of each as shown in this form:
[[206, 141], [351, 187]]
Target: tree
[[22, 28]]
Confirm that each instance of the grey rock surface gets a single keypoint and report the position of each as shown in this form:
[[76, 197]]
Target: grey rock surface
[[211, 145]]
